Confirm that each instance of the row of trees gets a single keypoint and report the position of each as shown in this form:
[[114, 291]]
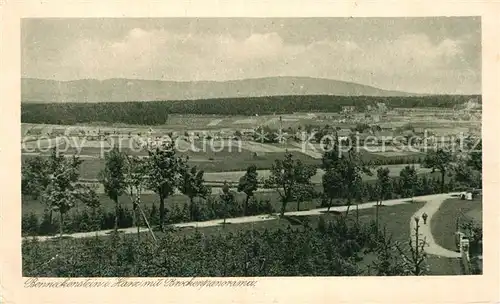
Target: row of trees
[[219, 206], [138, 113], [156, 112], [56, 179], [55, 182], [85, 219]]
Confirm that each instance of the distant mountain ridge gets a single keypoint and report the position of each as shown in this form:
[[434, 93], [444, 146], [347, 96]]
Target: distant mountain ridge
[[118, 89]]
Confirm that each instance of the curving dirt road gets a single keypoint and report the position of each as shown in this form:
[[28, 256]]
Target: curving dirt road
[[430, 208], [433, 203]]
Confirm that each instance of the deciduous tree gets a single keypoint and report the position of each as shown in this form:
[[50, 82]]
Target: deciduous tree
[[476, 156], [407, 180], [384, 184], [287, 176], [192, 185], [383, 188], [439, 160], [415, 261], [332, 180], [352, 169], [112, 178], [55, 181], [248, 184], [227, 199], [164, 169]]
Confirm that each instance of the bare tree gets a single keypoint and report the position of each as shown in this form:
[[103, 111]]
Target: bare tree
[[415, 261]]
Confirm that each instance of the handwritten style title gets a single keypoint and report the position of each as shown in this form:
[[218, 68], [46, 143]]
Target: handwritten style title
[[129, 282]]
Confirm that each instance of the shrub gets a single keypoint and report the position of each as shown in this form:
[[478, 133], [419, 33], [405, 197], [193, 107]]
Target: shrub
[[125, 217], [47, 227], [29, 224], [154, 216], [300, 251], [256, 207]]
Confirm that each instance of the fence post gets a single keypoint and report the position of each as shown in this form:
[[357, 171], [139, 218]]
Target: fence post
[[464, 251]]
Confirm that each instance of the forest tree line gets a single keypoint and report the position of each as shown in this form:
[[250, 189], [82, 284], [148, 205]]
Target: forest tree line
[[156, 112]]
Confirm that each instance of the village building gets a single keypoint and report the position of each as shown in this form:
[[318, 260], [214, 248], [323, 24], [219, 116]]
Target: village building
[[348, 109]]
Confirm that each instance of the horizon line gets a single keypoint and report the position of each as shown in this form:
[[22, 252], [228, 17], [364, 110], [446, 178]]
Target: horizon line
[[253, 78]]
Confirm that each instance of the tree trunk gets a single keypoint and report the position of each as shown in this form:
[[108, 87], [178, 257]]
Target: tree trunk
[[283, 207], [357, 215], [417, 268], [298, 205], [147, 223], [96, 226], [162, 211], [347, 211], [376, 216], [136, 222], [442, 180], [348, 206], [61, 224], [191, 208], [225, 212], [117, 211], [329, 204], [246, 205], [51, 222]]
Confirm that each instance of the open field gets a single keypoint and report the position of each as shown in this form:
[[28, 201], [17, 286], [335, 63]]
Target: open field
[[178, 122], [235, 175], [444, 222], [210, 156], [184, 122], [227, 164], [397, 154], [209, 161], [251, 152], [200, 123], [40, 145]]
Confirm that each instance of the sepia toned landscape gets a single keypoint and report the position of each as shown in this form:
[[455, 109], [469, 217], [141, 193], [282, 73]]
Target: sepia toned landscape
[[292, 174]]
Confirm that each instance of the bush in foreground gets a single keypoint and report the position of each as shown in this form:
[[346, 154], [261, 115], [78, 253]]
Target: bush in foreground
[[334, 248]]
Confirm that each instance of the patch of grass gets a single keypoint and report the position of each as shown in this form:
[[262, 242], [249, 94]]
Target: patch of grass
[[293, 220], [240, 161], [91, 167], [395, 219], [227, 159], [444, 222], [58, 238], [232, 228], [443, 266], [207, 161]]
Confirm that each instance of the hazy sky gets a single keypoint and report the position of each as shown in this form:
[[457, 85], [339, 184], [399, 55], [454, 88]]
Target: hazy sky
[[421, 55]]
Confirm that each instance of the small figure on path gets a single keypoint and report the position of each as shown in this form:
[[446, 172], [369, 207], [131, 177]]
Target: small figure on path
[[424, 217]]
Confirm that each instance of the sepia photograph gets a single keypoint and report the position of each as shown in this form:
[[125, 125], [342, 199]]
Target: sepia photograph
[[251, 147]]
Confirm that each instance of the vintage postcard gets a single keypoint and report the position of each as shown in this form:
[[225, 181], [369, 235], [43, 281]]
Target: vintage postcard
[[233, 153]]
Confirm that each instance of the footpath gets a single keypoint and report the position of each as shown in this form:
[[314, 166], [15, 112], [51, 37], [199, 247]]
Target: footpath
[[432, 205]]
